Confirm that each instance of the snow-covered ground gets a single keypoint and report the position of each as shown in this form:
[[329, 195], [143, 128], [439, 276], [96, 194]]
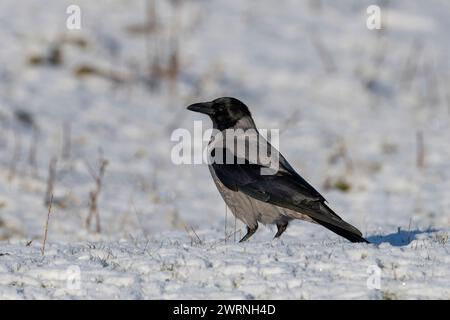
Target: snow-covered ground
[[352, 104], [174, 266]]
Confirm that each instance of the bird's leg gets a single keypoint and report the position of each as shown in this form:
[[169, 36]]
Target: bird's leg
[[281, 228], [250, 232]]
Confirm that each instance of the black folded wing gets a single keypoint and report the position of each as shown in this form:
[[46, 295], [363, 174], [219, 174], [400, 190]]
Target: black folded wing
[[285, 188]]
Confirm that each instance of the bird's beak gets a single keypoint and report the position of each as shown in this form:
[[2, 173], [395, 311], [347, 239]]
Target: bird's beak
[[202, 107]]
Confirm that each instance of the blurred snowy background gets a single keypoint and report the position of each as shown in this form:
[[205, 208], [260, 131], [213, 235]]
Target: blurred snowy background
[[364, 116]]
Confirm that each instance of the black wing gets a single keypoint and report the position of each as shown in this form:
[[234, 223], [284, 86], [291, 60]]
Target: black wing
[[286, 189]]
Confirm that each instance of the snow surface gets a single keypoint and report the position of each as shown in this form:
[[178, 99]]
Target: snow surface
[[350, 104]]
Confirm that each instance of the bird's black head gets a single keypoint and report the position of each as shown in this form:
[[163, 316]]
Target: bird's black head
[[224, 112]]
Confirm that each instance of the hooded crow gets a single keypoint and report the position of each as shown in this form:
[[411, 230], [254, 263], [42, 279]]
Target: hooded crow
[[256, 190]]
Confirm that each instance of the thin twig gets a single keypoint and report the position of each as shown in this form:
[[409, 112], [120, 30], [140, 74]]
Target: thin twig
[[196, 235], [50, 180], [93, 195], [232, 234], [420, 157], [193, 241], [46, 225]]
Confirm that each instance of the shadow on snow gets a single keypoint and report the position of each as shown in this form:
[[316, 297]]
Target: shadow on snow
[[399, 238]]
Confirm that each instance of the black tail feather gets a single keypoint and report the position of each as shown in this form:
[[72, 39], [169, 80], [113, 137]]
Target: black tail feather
[[342, 232]]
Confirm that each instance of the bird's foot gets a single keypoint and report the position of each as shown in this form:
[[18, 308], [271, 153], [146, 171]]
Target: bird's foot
[[250, 232], [281, 228]]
